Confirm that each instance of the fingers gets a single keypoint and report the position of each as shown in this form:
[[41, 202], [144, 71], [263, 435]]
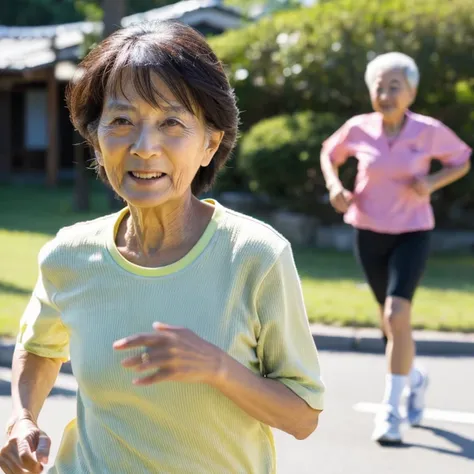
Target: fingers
[[160, 376], [341, 200], [27, 459], [156, 359], [138, 340], [5, 465], [17, 457], [348, 196], [340, 204], [44, 446]]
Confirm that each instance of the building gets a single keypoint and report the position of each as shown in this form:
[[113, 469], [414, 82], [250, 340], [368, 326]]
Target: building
[[36, 64]]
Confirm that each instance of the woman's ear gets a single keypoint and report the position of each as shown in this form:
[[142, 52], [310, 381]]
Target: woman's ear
[[214, 140]]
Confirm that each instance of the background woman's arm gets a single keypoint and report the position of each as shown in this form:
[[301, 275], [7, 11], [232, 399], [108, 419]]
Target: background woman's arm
[[448, 175]]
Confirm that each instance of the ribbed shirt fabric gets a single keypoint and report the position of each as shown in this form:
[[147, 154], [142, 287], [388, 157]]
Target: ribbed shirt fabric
[[238, 288]]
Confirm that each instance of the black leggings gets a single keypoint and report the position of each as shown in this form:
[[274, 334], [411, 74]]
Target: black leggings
[[393, 263]]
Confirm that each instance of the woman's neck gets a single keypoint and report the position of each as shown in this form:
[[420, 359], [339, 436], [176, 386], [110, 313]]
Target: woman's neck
[[159, 236], [392, 127]]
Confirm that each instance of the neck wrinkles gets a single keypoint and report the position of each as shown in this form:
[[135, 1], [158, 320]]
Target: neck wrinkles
[[154, 230]]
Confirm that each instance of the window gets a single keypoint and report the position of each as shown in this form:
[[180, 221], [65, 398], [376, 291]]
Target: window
[[36, 119]]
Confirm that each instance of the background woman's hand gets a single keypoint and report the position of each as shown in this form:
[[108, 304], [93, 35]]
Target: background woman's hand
[[340, 198], [174, 353], [422, 186], [26, 449]]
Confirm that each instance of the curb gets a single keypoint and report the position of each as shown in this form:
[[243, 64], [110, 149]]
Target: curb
[[369, 340], [340, 339]]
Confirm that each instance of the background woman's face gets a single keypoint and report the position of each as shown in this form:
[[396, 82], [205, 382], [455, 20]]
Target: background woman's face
[[151, 155], [391, 95]]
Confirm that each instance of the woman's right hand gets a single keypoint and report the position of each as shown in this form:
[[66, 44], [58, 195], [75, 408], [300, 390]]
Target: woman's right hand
[[26, 450], [340, 198]]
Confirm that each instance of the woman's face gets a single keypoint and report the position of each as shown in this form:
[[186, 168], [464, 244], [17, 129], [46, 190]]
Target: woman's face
[[391, 95], [151, 155]]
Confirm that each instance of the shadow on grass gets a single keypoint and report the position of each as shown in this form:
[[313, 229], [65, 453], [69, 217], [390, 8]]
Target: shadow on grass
[[12, 289]]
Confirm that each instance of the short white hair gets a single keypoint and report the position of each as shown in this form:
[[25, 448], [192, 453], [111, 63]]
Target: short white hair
[[389, 62]]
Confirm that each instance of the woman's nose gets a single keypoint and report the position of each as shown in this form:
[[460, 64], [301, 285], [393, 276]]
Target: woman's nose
[[147, 144]]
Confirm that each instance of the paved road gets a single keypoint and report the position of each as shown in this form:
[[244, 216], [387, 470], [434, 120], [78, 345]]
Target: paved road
[[341, 445]]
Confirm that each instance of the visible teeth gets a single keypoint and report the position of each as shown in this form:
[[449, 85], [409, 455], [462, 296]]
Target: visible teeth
[[146, 175]]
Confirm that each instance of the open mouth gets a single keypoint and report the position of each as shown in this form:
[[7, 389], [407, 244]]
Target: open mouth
[[146, 176]]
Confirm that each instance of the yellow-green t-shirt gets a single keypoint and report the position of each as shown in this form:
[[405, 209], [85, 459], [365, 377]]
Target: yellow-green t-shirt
[[238, 288]]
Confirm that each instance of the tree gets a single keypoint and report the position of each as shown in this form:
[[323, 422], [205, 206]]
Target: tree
[[266, 6], [51, 12]]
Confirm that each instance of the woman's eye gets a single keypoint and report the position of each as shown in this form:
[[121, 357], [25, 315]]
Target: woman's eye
[[172, 123], [121, 121]]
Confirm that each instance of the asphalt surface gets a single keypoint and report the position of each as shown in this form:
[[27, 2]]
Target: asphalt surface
[[342, 445]]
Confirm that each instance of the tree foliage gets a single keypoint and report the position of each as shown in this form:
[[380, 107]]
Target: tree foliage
[[51, 12], [314, 58], [280, 158]]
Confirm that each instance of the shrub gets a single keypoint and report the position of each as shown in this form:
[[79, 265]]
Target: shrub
[[280, 157]]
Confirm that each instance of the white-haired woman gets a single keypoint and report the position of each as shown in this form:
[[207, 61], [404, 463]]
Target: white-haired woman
[[391, 213]]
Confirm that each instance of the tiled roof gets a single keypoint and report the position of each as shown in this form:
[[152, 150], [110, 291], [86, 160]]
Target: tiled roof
[[28, 47]]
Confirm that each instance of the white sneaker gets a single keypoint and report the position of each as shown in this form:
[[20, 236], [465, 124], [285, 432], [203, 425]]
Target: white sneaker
[[387, 429], [416, 400]]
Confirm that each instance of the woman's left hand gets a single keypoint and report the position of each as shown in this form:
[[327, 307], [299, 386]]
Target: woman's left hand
[[176, 354], [422, 186]]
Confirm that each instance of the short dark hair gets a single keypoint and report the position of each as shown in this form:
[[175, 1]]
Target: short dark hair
[[182, 58]]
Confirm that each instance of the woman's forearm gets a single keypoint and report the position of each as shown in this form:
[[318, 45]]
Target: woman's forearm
[[33, 377], [330, 172], [448, 175], [266, 400]]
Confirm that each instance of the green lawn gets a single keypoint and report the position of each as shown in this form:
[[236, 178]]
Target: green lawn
[[333, 286]]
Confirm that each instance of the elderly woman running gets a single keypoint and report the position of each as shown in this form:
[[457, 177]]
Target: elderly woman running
[[184, 321], [391, 212]]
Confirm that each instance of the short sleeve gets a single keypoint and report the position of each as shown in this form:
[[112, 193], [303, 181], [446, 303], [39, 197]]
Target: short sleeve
[[41, 329], [337, 146], [448, 147], [286, 348]]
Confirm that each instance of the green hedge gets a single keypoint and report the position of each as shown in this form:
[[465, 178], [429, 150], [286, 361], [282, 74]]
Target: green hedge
[[280, 157], [315, 58]]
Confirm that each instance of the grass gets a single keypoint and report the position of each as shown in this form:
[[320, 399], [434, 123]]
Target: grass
[[333, 286]]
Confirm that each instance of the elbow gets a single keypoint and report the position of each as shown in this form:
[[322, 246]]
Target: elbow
[[308, 427], [467, 167]]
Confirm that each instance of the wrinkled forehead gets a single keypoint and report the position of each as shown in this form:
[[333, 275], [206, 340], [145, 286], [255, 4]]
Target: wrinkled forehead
[[138, 85]]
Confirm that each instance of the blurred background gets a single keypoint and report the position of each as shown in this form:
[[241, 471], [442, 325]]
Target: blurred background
[[297, 67]]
